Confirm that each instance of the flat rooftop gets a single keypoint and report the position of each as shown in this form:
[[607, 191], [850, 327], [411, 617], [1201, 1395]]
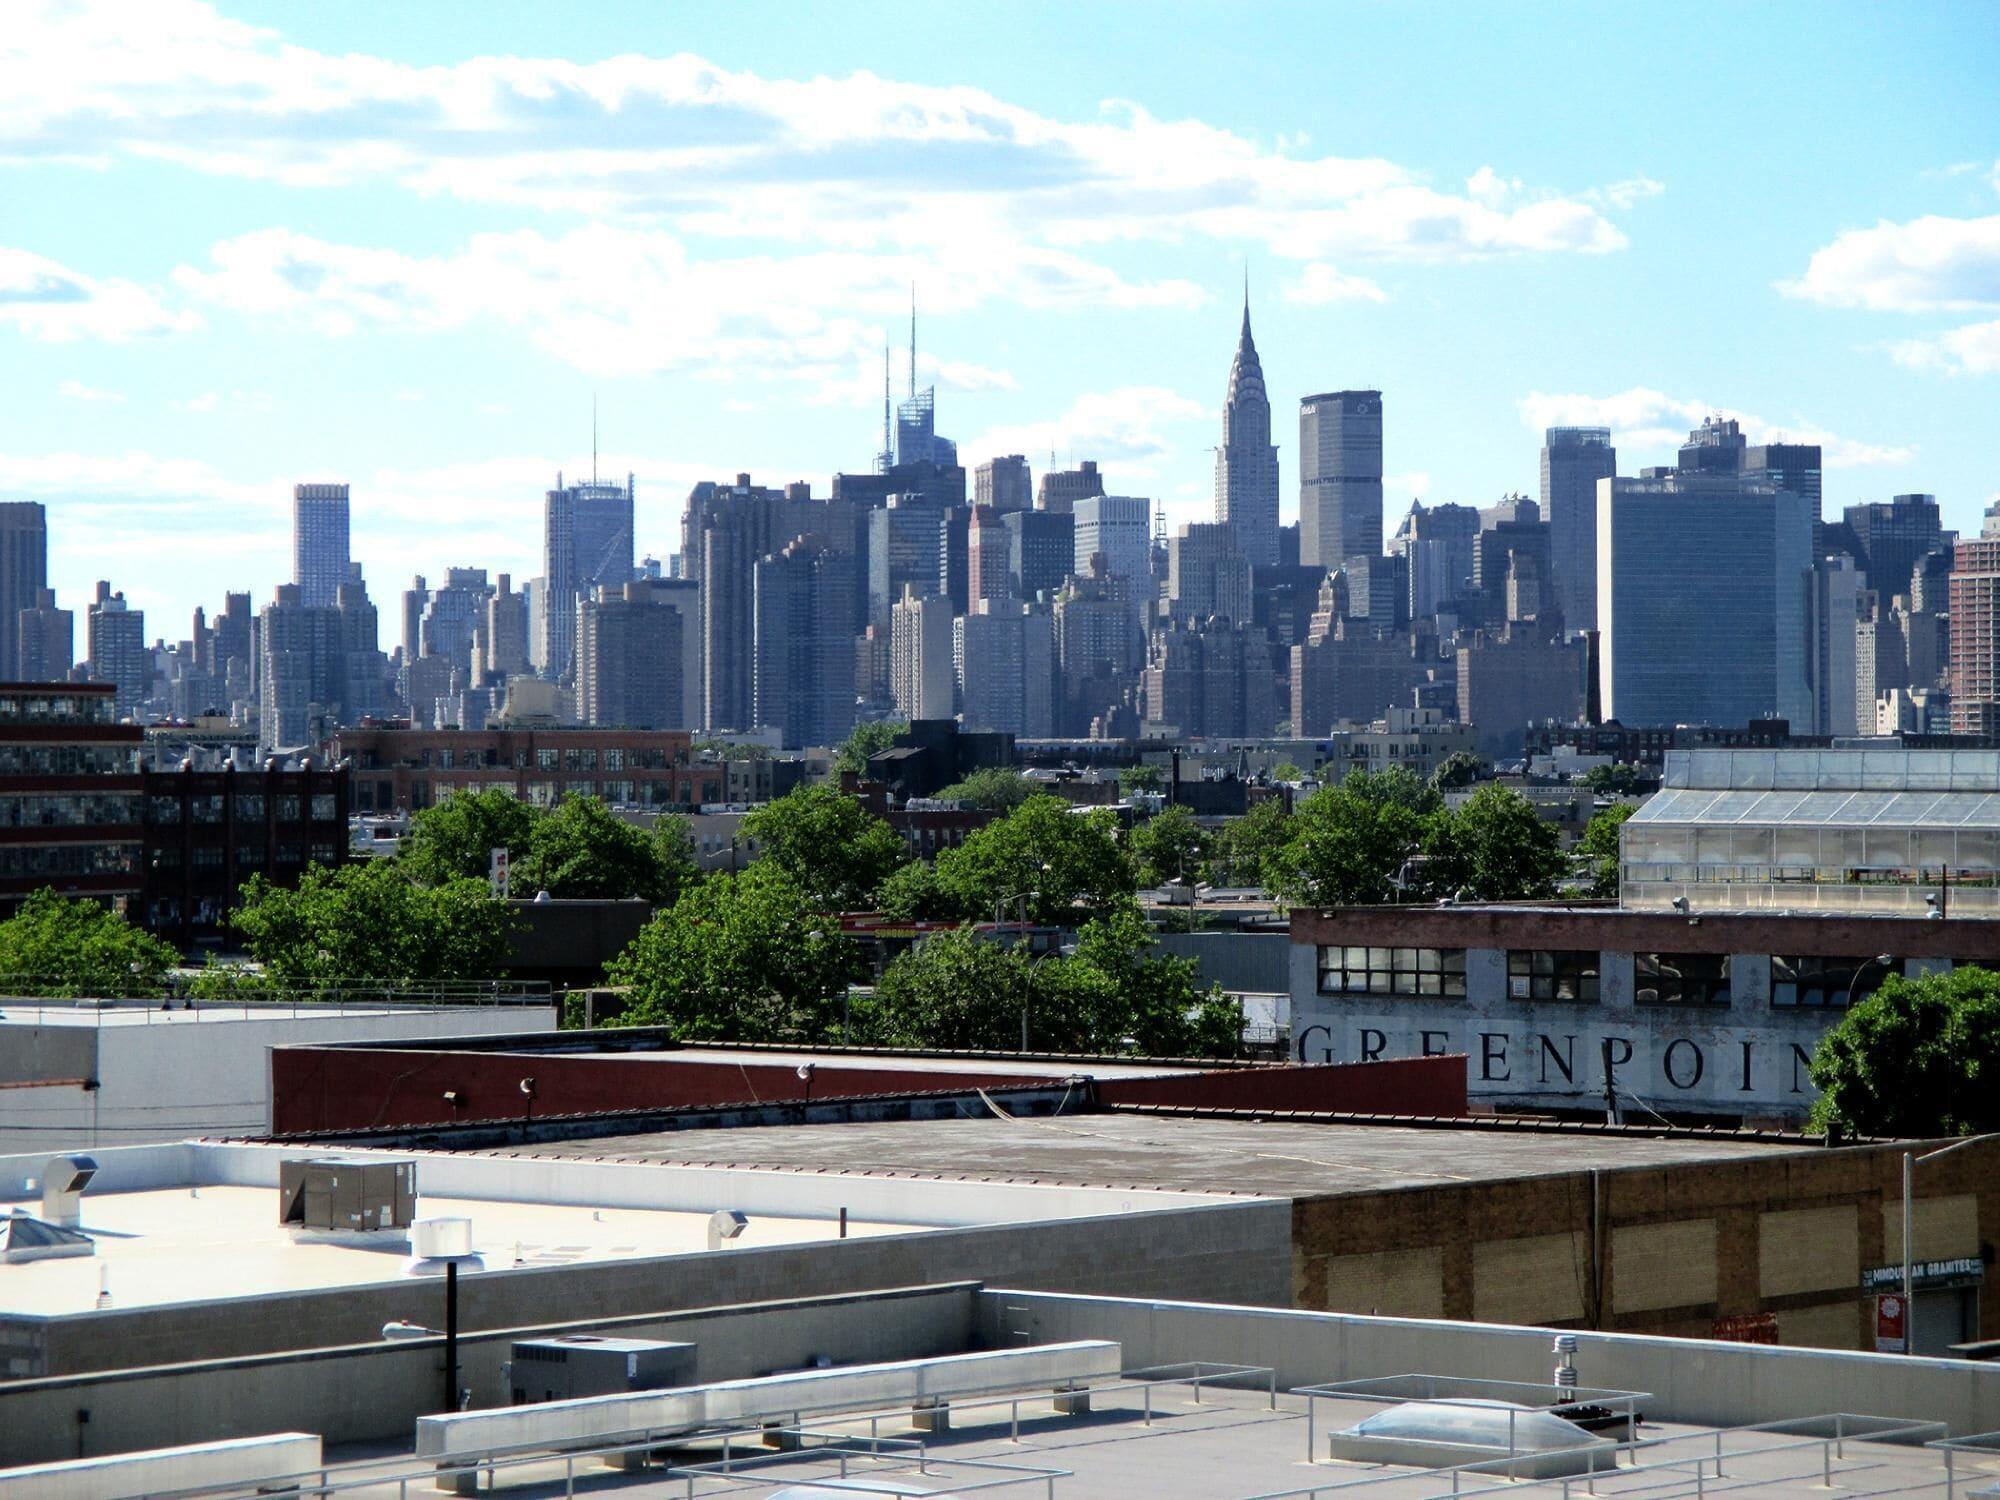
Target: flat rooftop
[[1274, 1158], [172, 1245], [1230, 1445], [898, 1062]]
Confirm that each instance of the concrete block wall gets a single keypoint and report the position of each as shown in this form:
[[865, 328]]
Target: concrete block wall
[[375, 1391], [1688, 1380]]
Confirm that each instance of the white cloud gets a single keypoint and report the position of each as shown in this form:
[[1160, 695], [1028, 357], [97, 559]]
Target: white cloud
[[76, 390], [49, 301], [1971, 350], [1931, 264], [1645, 420], [1127, 430], [854, 163], [1321, 283]]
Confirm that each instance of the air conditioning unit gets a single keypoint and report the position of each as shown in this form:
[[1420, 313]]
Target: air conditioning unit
[[334, 1197], [581, 1364]]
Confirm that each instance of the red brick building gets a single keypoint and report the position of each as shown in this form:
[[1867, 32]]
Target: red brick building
[[403, 770]]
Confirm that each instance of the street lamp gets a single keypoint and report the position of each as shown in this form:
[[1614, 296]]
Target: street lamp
[[1886, 960], [1910, 1161], [444, 1245]]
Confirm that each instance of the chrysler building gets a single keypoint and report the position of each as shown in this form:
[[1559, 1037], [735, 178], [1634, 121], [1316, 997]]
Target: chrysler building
[[1246, 465]]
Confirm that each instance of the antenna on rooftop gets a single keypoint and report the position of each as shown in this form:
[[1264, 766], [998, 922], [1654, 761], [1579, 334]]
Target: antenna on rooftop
[[593, 437], [913, 339]]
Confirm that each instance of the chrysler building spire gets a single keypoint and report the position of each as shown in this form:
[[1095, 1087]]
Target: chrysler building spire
[[1246, 465]]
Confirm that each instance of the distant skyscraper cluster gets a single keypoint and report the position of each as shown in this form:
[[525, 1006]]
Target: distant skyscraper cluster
[[1037, 601]]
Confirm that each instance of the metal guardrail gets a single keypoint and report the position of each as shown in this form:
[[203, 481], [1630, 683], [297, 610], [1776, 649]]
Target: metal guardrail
[[1394, 1390], [1985, 1444], [37, 999], [1701, 1468], [842, 1446]]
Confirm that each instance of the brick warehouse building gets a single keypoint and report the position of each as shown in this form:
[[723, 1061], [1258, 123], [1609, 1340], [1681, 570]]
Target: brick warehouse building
[[398, 769]]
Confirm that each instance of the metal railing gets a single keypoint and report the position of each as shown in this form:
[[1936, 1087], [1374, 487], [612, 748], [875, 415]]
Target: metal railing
[[192, 995], [1454, 1390], [1985, 1444], [1700, 1468]]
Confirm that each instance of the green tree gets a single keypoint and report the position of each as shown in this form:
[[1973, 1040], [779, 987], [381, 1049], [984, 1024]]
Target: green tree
[[1615, 780], [863, 741], [914, 894], [998, 788], [1350, 842], [581, 850], [730, 750], [454, 839], [1598, 848], [1169, 846], [828, 845], [957, 990], [1287, 770], [371, 922], [1158, 1005], [739, 958], [1459, 769], [1495, 847], [1057, 858], [58, 946], [1142, 779], [1250, 844], [1918, 1057]]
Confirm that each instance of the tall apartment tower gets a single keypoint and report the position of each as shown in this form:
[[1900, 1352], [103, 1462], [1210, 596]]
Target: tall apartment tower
[[47, 641], [1003, 484], [726, 529], [628, 660], [1340, 477], [24, 569], [1703, 587], [1975, 630], [1207, 574], [586, 544], [1246, 465], [804, 647], [1574, 459], [921, 679], [319, 542], [117, 646], [504, 652], [1118, 528], [1891, 538]]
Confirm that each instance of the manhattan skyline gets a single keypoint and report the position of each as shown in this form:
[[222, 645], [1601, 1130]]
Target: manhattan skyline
[[247, 248]]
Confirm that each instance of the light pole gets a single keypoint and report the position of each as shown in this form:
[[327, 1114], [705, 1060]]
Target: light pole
[[1886, 960], [1910, 1161]]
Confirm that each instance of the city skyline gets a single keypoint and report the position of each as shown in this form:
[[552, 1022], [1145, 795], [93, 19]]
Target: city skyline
[[333, 288]]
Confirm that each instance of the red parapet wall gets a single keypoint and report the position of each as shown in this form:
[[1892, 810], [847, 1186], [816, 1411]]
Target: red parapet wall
[[1391, 1086], [362, 1088]]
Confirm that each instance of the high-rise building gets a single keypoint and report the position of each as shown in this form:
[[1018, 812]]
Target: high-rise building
[[628, 660], [1246, 465], [1003, 655], [504, 650], [726, 529], [454, 620], [1003, 484], [1346, 672], [1041, 551], [1975, 630], [1787, 466], [1437, 543], [1881, 662], [1119, 528], [804, 646], [986, 558], [1716, 447], [586, 544], [1062, 488], [922, 679], [1209, 678], [1837, 593], [117, 648], [1099, 645], [1574, 459], [1510, 680], [319, 666], [1509, 529], [24, 569], [1702, 589], [1207, 573], [906, 546], [319, 542], [1340, 477], [1890, 539], [46, 638]]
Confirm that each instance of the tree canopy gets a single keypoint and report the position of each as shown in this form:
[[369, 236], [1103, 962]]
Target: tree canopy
[[1248, 848], [1042, 858], [1169, 846], [370, 921], [454, 839], [1459, 769], [863, 741], [59, 946], [738, 958], [1598, 848], [1495, 847], [1000, 789], [828, 845], [577, 850], [1918, 1057]]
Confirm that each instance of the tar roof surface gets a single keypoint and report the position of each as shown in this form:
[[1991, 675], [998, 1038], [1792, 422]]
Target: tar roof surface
[[1287, 1159]]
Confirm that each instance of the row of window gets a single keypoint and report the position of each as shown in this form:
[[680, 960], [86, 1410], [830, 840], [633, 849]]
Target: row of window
[[1572, 976], [83, 708], [550, 758], [250, 808], [68, 810], [248, 856], [69, 760]]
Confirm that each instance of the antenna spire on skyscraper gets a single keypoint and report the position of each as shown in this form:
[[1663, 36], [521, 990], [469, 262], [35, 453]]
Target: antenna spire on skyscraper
[[913, 339], [593, 437]]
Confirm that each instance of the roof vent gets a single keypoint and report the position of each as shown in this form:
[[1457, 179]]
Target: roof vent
[[63, 1182]]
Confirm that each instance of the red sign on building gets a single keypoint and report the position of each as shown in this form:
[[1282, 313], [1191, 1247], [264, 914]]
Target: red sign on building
[[1891, 1313], [1747, 1328]]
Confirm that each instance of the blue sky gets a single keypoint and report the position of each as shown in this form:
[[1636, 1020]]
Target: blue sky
[[405, 246]]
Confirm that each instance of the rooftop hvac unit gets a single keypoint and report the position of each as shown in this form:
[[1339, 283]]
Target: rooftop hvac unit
[[348, 1198], [63, 1180], [558, 1369]]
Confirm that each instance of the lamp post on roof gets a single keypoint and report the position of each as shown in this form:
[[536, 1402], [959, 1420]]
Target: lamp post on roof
[[1886, 960], [1910, 1160], [442, 1246]]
